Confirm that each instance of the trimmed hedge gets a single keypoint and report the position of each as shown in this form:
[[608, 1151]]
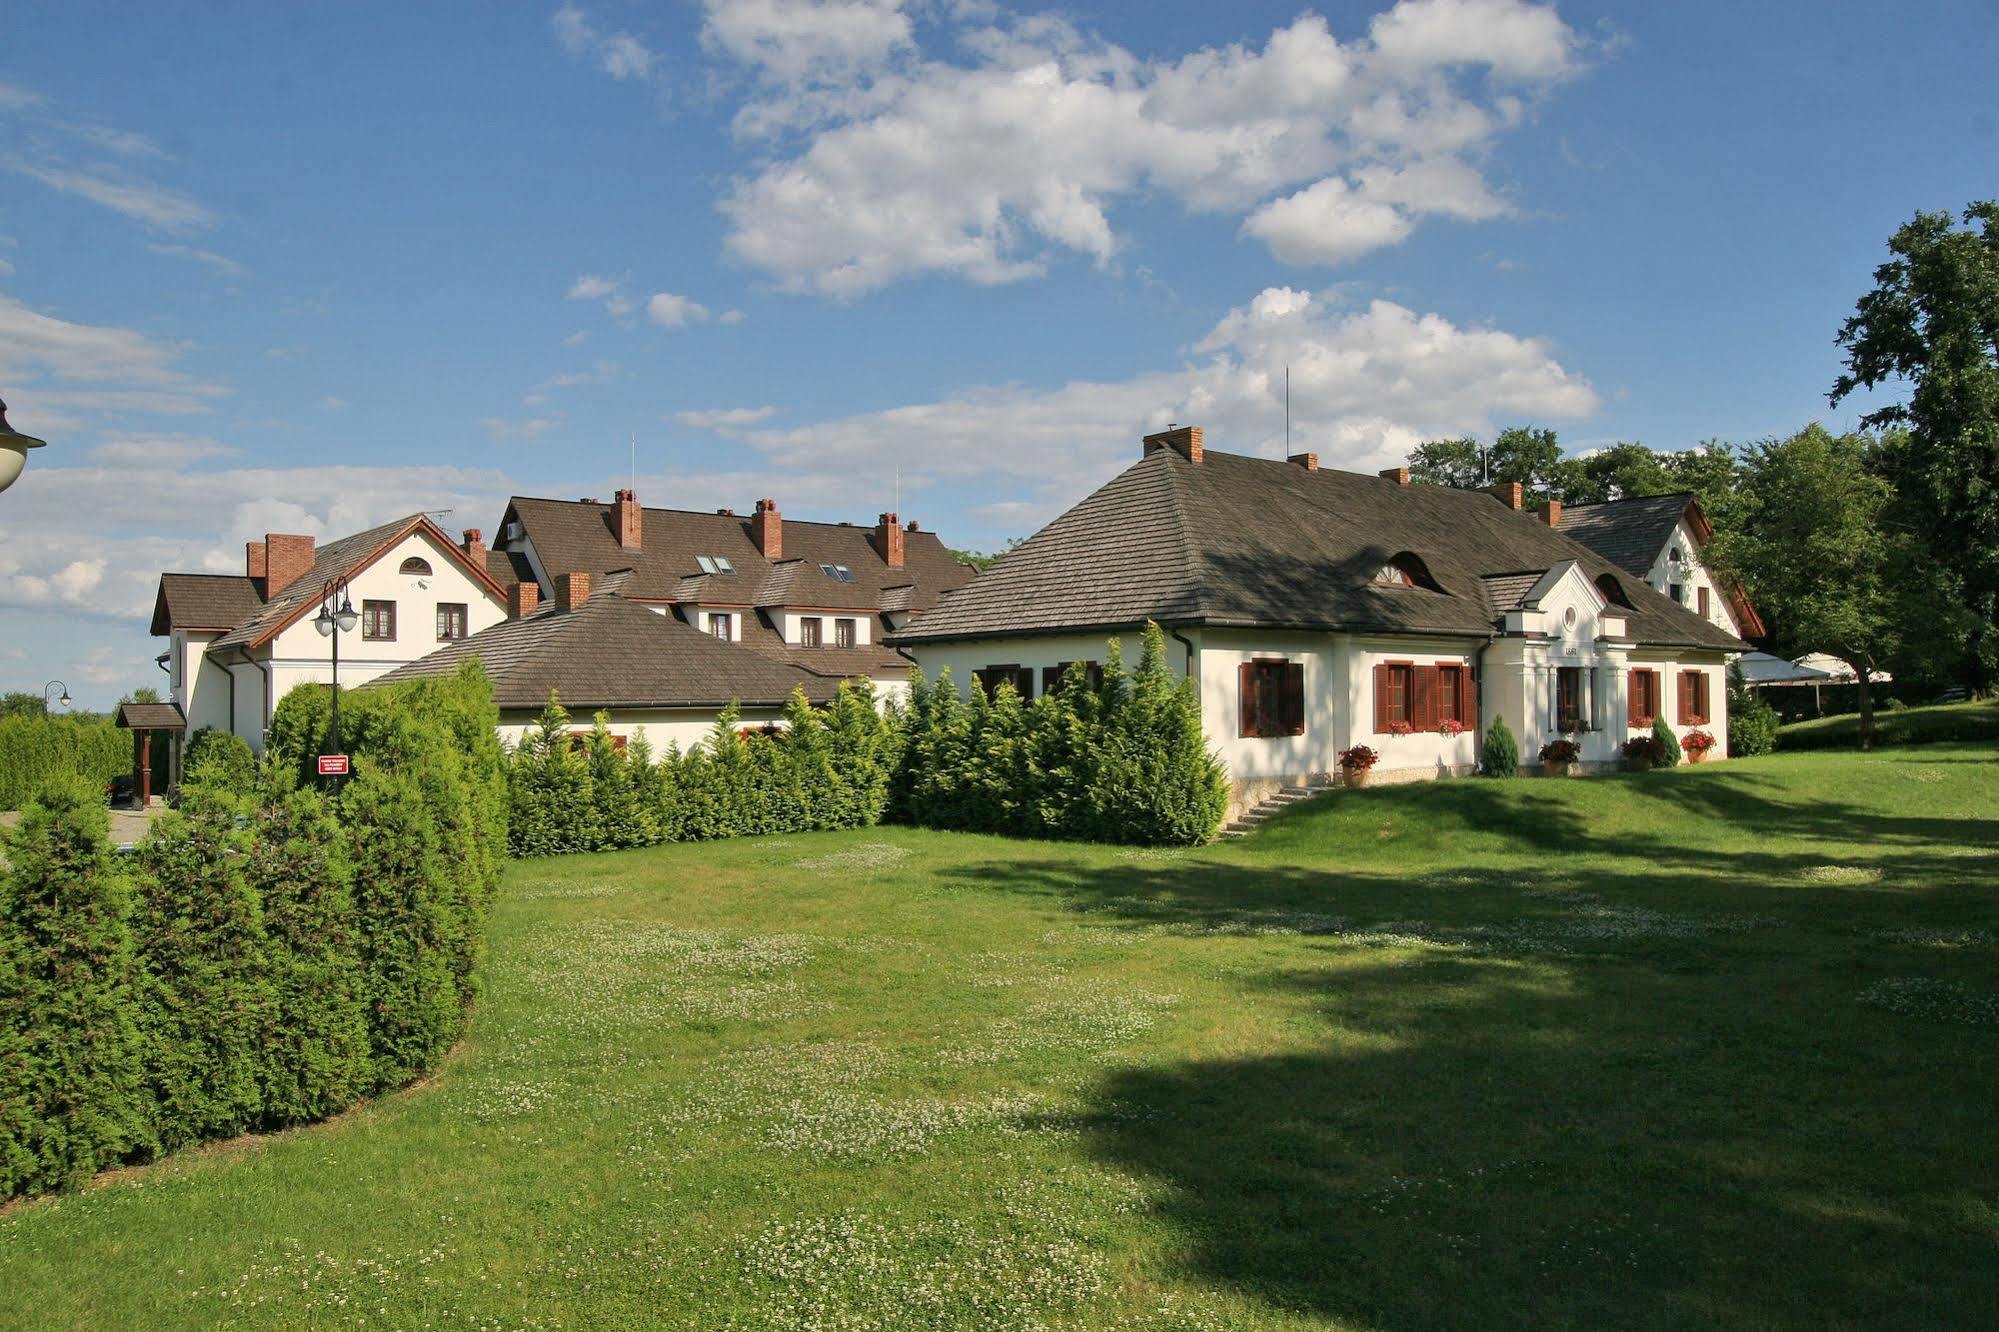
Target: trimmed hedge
[[219, 758], [34, 749], [284, 953]]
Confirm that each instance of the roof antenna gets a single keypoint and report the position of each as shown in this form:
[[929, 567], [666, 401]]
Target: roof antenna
[[635, 462]]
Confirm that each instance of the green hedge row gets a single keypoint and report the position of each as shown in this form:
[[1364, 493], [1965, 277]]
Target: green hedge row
[[270, 954], [1123, 760], [34, 748], [827, 768]]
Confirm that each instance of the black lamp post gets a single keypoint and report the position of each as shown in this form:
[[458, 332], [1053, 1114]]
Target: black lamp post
[[64, 700], [330, 622]]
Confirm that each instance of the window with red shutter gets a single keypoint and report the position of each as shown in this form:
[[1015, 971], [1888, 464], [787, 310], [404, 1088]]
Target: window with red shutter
[[1394, 696], [1273, 698], [1450, 694], [1247, 678], [1380, 699], [1294, 698], [1423, 697]]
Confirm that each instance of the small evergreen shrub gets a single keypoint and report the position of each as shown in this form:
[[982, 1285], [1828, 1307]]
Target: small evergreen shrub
[[203, 995], [72, 1080], [1665, 745], [1499, 755], [219, 758]]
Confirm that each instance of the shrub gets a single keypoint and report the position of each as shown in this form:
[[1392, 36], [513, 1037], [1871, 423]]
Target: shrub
[[35, 748], [220, 759], [548, 789], [1752, 722], [71, 1076], [1666, 745], [315, 1046], [203, 995], [1561, 751], [1499, 756]]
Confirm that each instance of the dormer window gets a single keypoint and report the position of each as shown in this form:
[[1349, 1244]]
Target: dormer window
[[1405, 570], [1613, 591], [839, 573], [416, 567], [714, 564]]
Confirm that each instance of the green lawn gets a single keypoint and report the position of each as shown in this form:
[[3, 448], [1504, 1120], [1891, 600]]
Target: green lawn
[[1715, 1046]]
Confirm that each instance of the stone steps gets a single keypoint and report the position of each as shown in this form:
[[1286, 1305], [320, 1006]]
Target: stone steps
[[1252, 819]]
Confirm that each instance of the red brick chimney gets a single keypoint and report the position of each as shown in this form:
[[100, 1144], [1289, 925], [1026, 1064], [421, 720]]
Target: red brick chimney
[[572, 590], [767, 529], [473, 543], [1183, 440], [253, 559], [888, 539], [1308, 461], [286, 560], [523, 600], [630, 518], [1399, 475], [1551, 512], [1509, 493]]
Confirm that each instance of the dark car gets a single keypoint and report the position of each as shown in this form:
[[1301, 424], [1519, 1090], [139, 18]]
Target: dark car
[[122, 792]]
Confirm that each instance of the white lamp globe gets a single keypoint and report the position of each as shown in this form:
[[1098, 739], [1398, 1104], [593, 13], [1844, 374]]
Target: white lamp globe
[[14, 448]]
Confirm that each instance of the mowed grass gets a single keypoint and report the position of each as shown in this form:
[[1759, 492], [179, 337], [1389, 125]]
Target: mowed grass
[[1974, 722], [1715, 1046]]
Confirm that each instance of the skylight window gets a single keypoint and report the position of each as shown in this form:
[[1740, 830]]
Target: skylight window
[[839, 573], [715, 564]]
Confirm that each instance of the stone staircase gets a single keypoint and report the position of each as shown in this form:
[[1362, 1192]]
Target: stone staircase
[[1255, 818]]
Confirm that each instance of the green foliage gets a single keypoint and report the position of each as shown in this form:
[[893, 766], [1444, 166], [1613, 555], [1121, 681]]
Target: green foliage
[[1665, 745], [315, 1046], [1944, 723], [35, 748], [221, 759], [1931, 322], [548, 790], [1125, 762], [71, 1075], [1752, 722], [204, 999], [1499, 755]]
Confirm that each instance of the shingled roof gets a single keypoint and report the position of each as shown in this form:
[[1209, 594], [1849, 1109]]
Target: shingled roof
[[611, 652], [576, 536], [204, 602], [332, 560], [1257, 543], [1629, 533]]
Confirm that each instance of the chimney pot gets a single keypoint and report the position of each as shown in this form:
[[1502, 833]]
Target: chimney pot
[[1509, 494], [1183, 440], [286, 560], [767, 529], [1399, 475], [571, 591], [1308, 461], [1551, 512], [523, 600], [888, 539], [631, 519], [473, 543]]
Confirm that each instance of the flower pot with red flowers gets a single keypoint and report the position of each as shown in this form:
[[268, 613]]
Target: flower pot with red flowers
[[1641, 753], [1450, 728], [1356, 764], [1696, 744], [1558, 757]]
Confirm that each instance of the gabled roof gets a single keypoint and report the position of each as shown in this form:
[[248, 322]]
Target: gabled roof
[[338, 559], [151, 717], [216, 602], [1257, 543], [572, 536], [1630, 533], [614, 653]]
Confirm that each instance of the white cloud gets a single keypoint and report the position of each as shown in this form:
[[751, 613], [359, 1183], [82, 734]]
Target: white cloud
[[330, 404], [590, 287], [724, 418], [671, 311], [987, 170], [575, 339], [533, 427], [63, 369], [100, 667], [600, 373], [220, 263], [618, 54], [731, 317], [156, 451], [154, 205]]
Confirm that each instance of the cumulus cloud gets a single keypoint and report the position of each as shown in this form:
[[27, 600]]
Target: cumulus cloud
[[618, 54], [988, 169], [671, 311], [725, 418]]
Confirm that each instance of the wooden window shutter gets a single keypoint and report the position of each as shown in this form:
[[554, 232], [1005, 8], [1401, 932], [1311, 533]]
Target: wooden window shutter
[[1686, 704], [1467, 698], [1294, 698], [1246, 690], [1634, 697], [1423, 697], [1381, 700]]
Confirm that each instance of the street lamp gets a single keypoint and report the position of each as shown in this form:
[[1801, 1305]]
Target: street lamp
[[53, 684], [331, 623], [14, 448]]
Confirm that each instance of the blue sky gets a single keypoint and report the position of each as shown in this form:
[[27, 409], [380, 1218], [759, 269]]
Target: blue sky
[[292, 268]]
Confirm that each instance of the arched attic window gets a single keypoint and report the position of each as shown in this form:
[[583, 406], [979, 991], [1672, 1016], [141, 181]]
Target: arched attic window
[[1613, 591], [417, 566], [1406, 570]]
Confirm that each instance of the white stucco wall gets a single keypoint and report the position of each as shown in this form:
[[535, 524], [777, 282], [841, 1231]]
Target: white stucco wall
[[1693, 578], [787, 624]]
